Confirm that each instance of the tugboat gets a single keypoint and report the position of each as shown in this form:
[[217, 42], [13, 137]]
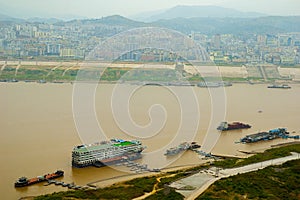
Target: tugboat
[[23, 181], [224, 126]]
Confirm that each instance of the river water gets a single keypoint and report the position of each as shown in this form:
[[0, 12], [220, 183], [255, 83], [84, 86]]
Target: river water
[[38, 130]]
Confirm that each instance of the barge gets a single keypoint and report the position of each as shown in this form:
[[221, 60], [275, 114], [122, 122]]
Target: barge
[[270, 135], [182, 147], [23, 181], [207, 84], [225, 126], [283, 86]]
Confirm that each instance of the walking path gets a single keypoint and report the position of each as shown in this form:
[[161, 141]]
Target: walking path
[[63, 74], [17, 68], [154, 190], [53, 69], [2, 68]]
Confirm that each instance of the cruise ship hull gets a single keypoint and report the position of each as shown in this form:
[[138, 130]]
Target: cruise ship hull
[[109, 161]]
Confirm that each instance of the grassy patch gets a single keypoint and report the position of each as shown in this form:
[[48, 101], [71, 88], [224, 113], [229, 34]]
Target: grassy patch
[[166, 194], [267, 155], [145, 184], [274, 183]]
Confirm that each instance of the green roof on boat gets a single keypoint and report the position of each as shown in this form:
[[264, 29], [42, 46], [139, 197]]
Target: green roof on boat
[[125, 143]]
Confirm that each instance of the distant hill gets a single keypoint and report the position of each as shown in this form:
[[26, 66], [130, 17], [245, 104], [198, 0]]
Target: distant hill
[[146, 16], [108, 26], [206, 25], [120, 20], [197, 11], [6, 18], [44, 20], [114, 20]]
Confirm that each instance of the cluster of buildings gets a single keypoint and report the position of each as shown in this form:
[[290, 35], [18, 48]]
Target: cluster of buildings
[[76, 39], [279, 49], [42, 40]]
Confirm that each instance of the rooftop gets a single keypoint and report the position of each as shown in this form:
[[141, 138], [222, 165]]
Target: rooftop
[[99, 146]]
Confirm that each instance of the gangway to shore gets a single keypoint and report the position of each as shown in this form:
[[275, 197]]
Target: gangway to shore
[[229, 156], [69, 185], [139, 168]]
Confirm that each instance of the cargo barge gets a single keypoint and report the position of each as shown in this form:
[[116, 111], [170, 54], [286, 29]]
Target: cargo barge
[[270, 135], [23, 181], [283, 86], [224, 126], [207, 84], [106, 153]]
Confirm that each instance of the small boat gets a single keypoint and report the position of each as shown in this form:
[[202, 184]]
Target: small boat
[[176, 150], [154, 170], [41, 81], [283, 86], [64, 184]]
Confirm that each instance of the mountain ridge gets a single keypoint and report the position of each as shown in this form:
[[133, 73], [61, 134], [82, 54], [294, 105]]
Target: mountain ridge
[[260, 25], [184, 11], [205, 25]]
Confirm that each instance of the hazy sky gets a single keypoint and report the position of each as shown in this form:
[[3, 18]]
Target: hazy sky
[[99, 8]]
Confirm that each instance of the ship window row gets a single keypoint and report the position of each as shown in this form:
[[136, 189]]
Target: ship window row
[[97, 153], [101, 153], [96, 156], [102, 156], [98, 150], [91, 159]]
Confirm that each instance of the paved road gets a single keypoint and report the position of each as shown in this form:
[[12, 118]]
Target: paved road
[[256, 166], [239, 170]]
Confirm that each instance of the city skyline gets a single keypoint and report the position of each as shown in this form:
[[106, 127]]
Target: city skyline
[[99, 8]]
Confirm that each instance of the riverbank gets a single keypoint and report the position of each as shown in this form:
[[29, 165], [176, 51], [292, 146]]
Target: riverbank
[[66, 72], [122, 178], [158, 183]]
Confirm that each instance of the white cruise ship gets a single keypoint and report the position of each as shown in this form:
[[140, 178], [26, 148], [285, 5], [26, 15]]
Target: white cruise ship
[[106, 153]]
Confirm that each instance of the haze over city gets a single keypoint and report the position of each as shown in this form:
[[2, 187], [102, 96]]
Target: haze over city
[[98, 8], [160, 99]]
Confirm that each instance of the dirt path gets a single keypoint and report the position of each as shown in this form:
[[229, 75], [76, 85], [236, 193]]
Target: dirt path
[[155, 188], [53, 69], [2, 68], [17, 68], [68, 69]]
